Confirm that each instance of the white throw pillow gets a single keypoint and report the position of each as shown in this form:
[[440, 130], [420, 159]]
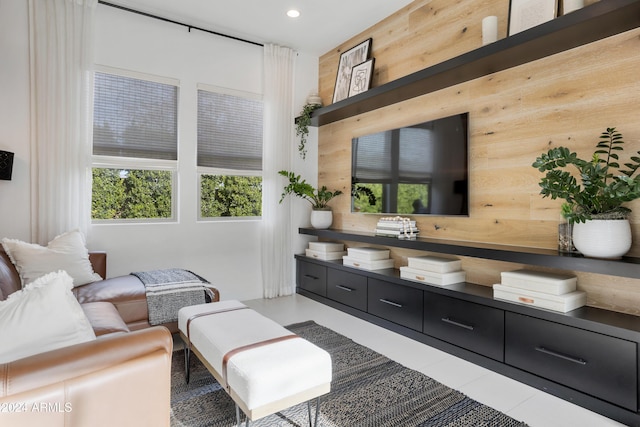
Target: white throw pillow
[[65, 252], [43, 316]]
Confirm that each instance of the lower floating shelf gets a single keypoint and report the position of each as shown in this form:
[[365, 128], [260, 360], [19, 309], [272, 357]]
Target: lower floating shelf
[[624, 267]]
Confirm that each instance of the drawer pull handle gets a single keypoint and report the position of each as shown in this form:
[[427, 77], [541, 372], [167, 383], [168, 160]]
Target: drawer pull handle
[[453, 322], [386, 301], [573, 359], [308, 276], [344, 288], [420, 278], [356, 264]]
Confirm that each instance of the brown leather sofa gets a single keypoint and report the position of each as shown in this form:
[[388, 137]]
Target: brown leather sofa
[[122, 378], [116, 304]]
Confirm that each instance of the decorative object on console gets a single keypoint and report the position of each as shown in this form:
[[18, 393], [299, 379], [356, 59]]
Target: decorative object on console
[[348, 59], [321, 216], [525, 14], [433, 270], [6, 165], [397, 226], [302, 126], [325, 250], [368, 258], [489, 29], [565, 237], [598, 198], [545, 290], [361, 76]]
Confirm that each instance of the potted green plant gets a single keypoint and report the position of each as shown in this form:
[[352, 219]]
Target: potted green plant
[[321, 215], [594, 205], [302, 126]]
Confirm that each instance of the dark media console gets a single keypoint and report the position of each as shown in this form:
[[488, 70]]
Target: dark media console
[[588, 356]]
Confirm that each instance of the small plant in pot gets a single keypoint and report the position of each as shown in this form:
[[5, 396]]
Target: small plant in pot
[[321, 215], [594, 205]]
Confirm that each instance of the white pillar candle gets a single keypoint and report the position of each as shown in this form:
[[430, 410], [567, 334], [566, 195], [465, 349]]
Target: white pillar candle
[[489, 29], [571, 5]]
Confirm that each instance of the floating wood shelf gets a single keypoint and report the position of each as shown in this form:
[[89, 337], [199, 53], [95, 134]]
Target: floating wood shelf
[[589, 24]]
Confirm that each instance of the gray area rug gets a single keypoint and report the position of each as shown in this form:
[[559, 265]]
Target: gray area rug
[[367, 390]]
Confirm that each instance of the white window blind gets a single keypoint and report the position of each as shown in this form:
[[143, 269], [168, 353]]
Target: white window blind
[[135, 118], [229, 131]]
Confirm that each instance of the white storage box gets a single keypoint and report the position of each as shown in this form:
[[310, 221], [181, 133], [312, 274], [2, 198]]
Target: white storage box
[[550, 283], [327, 256], [326, 246], [562, 303], [435, 264], [368, 254], [432, 278], [379, 264]]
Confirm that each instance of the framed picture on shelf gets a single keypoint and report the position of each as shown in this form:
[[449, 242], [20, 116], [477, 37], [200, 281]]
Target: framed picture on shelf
[[525, 14], [348, 59], [361, 76]]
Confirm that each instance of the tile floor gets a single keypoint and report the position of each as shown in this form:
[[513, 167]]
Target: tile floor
[[524, 403]]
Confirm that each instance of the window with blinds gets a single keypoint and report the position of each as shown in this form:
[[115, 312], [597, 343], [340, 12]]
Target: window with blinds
[[134, 118], [229, 131], [229, 154], [135, 148]]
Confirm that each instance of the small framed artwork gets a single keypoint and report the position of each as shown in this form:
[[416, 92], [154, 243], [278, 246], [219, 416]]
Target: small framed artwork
[[361, 76], [348, 59], [525, 14]]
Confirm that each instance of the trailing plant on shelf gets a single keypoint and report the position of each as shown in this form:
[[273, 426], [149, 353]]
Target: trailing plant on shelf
[[301, 188], [604, 185], [302, 127]]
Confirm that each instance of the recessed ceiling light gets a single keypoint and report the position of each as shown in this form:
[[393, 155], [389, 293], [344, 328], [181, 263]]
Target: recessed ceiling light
[[293, 13]]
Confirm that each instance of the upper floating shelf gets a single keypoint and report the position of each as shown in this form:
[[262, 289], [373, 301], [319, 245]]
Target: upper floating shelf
[[595, 22]]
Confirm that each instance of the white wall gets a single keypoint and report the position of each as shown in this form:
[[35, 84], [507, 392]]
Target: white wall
[[228, 252], [14, 117]]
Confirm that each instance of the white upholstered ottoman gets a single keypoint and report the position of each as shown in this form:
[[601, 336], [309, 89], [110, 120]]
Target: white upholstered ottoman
[[264, 367]]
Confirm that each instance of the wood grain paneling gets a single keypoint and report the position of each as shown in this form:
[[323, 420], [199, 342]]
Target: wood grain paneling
[[514, 115]]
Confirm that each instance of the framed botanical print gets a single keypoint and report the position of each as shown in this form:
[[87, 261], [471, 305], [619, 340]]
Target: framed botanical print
[[348, 59]]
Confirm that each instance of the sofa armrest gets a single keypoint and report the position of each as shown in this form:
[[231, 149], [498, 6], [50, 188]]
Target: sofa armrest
[[120, 379], [98, 260]]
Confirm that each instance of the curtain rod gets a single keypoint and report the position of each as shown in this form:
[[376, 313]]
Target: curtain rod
[[149, 15]]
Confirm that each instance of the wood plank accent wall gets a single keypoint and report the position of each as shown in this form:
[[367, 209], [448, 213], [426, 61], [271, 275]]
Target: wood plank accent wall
[[514, 115]]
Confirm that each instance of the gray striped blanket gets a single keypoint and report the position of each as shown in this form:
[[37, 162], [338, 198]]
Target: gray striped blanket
[[169, 290]]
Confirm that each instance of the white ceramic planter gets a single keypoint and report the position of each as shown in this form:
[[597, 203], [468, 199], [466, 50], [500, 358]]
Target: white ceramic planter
[[603, 238], [321, 219]]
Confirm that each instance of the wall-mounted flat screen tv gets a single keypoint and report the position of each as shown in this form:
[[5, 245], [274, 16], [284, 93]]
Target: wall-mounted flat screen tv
[[414, 170]]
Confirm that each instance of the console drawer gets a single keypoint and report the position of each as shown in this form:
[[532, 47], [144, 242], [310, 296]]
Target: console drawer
[[468, 325], [312, 277], [397, 303], [596, 364], [347, 288]]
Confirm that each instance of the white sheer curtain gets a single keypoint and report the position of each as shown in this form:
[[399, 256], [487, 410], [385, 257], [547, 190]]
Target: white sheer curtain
[[277, 257], [61, 55]]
